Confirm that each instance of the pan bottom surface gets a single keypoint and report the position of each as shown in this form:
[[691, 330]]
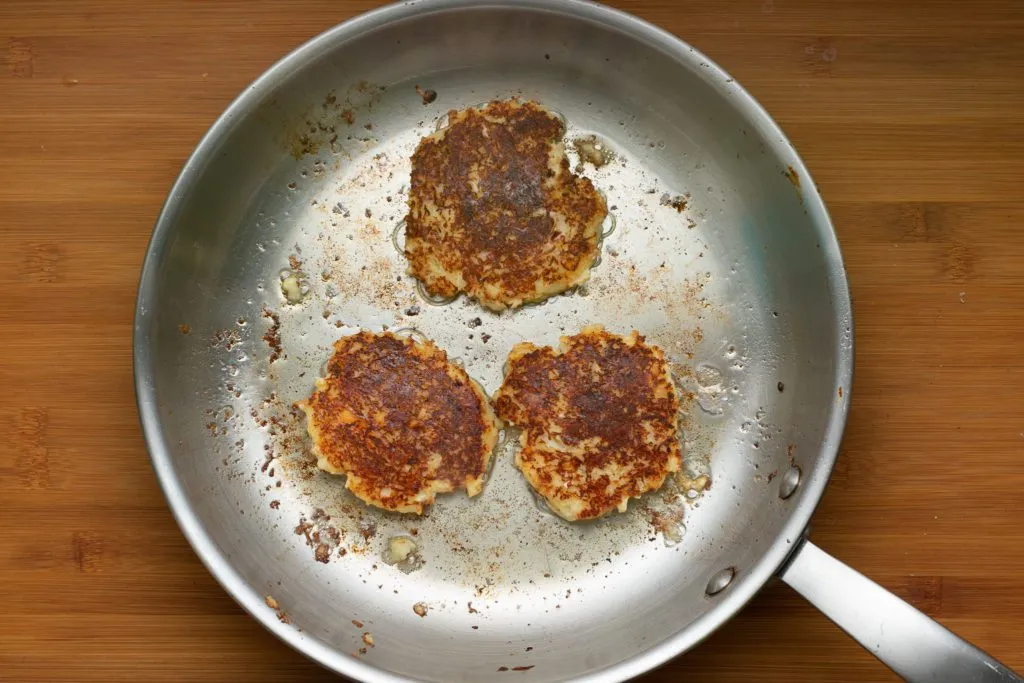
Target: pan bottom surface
[[289, 236]]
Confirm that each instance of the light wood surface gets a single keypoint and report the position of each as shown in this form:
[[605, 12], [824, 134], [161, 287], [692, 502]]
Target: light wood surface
[[909, 114]]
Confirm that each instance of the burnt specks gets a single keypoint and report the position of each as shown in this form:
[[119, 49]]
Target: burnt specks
[[792, 176], [677, 202], [273, 335], [428, 96], [226, 339], [322, 553]]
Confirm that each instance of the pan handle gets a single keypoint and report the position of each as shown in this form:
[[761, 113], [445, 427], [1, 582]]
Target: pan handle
[[907, 641]]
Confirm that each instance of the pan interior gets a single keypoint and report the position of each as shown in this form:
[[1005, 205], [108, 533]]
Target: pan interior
[[304, 186]]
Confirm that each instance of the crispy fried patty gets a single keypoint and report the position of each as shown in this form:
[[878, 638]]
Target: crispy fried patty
[[599, 420], [494, 210], [401, 421]]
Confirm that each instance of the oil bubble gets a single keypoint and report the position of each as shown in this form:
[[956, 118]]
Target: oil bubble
[[410, 333], [609, 225], [431, 299], [398, 237]]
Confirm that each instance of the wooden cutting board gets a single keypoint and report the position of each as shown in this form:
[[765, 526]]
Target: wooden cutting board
[[909, 114]]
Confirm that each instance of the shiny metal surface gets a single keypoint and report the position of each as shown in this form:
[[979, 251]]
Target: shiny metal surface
[[720, 581], [909, 643], [744, 288], [789, 482]]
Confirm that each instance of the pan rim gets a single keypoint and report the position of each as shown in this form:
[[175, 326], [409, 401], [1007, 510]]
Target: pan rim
[[813, 485]]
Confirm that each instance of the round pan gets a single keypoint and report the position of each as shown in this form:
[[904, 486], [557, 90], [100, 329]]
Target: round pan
[[722, 254]]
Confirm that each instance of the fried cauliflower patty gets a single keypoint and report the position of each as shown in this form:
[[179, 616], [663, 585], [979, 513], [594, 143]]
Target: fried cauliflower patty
[[598, 418], [496, 213], [400, 421]]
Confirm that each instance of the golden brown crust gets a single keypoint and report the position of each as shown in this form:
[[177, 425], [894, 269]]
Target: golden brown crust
[[494, 210], [599, 420], [401, 421]]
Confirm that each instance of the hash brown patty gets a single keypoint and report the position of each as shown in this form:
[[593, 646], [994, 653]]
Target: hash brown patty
[[496, 213], [401, 421], [598, 418]]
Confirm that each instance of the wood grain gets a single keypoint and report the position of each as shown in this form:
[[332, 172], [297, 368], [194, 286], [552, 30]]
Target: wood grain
[[909, 114]]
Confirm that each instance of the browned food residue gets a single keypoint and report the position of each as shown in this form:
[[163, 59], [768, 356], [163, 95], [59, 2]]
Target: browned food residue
[[677, 202], [401, 421], [599, 419], [420, 609], [494, 210], [226, 339], [323, 553], [320, 535], [271, 602], [303, 144], [667, 522], [427, 96], [793, 176], [319, 127], [273, 335], [184, 329], [303, 527], [592, 151], [368, 529]]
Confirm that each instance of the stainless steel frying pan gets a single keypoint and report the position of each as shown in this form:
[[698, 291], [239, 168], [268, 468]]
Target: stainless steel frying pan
[[283, 233]]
